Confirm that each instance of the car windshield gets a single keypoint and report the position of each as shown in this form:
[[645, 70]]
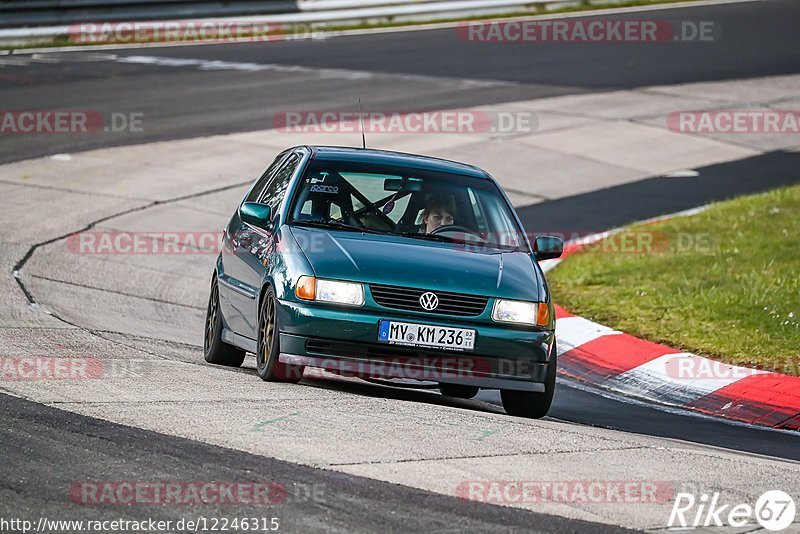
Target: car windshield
[[405, 201]]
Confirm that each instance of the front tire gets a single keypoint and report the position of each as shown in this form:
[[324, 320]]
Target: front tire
[[214, 349], [267, 365], [533, 405]]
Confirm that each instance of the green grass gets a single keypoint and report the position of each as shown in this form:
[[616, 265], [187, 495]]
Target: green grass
[[723, 283], [511, 14], [61, 41]]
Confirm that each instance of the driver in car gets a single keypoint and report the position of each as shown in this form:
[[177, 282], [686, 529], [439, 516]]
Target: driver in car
[[439, 211]]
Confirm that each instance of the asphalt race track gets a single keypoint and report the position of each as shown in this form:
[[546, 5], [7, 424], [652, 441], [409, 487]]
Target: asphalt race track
[[366, 488], [405, 70], [67, 440]]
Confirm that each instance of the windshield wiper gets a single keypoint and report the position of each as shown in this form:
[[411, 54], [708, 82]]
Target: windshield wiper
[[338, 225], [480, 245], [429, 237]]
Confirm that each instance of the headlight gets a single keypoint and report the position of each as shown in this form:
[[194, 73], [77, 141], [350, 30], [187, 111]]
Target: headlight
[[335, 291], [521, 312], [340, 292]]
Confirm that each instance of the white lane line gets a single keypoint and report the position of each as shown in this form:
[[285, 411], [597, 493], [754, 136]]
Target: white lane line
[[576, 331], [14, 62], [412, 27], [678, 378], [549, 265], [601, 391], [348, 74]]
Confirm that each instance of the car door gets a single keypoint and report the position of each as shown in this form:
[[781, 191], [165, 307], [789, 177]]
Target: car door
[[245, 247], [231, 272]]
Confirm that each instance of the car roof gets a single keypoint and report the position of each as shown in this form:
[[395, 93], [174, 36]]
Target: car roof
[[388, 157]]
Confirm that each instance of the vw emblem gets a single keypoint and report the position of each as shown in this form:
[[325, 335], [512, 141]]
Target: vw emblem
[[429, 301]]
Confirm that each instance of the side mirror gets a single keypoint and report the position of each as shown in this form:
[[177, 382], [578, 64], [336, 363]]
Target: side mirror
[[259, 215], [547, 247]]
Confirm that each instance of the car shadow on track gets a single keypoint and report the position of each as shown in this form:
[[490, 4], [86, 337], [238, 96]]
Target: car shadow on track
[[355, 386]]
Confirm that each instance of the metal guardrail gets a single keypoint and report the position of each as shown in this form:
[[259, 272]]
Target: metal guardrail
[[16, 13], [273, 11]]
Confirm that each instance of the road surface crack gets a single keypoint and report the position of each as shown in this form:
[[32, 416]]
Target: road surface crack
[[115, 292], [481, 456]]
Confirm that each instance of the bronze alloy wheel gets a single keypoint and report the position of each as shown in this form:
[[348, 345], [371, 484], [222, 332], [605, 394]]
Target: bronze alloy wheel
[[267, 326], [214, 349], [211, 317], [268, 367]]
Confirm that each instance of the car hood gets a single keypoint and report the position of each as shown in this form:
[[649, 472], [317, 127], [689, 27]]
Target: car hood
[[393, 260]]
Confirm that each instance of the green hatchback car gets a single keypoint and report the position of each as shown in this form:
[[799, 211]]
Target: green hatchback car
[[383, 265]]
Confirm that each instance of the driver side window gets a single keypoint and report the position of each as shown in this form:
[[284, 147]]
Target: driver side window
[[255, 192], [276, 188]]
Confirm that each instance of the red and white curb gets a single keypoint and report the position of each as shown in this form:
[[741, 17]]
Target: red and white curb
[[600, 356]]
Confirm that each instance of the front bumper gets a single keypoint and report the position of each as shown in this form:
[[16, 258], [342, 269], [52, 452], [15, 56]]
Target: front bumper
[[345, 340]]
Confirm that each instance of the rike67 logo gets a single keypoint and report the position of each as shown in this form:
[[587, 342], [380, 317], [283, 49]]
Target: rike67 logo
[[774, 511]]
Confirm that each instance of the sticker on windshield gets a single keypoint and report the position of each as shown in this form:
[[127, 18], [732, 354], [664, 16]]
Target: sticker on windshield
[[328, 189]]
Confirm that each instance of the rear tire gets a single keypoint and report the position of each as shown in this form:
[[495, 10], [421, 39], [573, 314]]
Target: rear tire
[[214, 349], [533, 405], [458, 391], [267, 365]]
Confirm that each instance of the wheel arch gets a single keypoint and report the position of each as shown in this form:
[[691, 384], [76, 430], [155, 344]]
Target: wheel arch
[[265, 286]]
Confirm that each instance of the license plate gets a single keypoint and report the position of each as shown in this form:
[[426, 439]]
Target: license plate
[[422, 335]]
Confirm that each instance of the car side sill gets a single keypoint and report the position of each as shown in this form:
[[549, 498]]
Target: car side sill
[[245, 343], [482, 382]]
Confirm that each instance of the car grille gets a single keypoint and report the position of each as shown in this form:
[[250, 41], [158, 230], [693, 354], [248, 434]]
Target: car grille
[[407, 298]]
